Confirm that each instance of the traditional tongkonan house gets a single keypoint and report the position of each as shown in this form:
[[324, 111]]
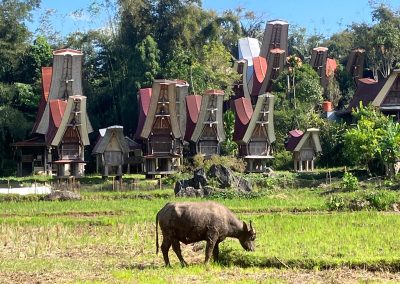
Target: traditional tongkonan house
[[254, 131], [208, 132], [324, 66], [275, 36], [355, 64], [304, 147], [383, 94], [160, 119], [111, 151], [62, 126]]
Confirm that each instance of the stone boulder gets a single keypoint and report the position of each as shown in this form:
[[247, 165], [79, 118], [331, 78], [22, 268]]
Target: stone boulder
[[198, 185], [193, 192], [200, 178], [223, 175], [63, 195], [182, 184]]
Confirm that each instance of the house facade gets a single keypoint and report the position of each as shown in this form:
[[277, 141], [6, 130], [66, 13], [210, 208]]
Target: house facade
[[111, 151], [208, 132], [162, 114], [254, 131], [61, 129], [305, 146]]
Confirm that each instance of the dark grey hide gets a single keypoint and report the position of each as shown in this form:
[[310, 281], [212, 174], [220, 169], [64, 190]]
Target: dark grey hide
[[190, 222]]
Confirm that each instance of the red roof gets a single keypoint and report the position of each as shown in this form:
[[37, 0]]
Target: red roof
[[144, 104], [320, 49], [193, 105], [331, 67], [277, 50], [214, 92], [260, 70], [57, 109], [47, 73], [243, 114], [36, 141], [67, 50], [293, 139], [367, 90]]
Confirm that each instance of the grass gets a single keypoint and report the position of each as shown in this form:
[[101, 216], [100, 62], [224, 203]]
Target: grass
[[109, 237]]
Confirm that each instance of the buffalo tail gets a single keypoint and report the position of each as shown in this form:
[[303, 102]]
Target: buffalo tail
[[157, 234]]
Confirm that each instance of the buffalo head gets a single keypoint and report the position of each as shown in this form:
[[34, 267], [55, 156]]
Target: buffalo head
[[247, 237]]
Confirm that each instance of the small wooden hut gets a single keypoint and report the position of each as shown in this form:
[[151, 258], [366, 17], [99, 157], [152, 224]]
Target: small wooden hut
[[304, 146], [111, 151], [254, 131]]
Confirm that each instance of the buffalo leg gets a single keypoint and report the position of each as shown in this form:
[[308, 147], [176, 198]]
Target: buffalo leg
[[166, 244], [176, 246], [209, 248], [216, 252]]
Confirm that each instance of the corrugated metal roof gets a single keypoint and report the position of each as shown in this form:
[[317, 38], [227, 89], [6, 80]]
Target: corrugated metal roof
[[57, 110], [193, 105], [243, 114], [293, 139], [46, 83], [367, 90], [144, 103], [260, 70]]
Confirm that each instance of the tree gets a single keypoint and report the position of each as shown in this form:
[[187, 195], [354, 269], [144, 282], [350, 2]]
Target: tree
[[229, 147], [375, 139], [381, 41]]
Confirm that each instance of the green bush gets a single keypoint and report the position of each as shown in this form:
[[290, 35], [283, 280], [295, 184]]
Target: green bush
[[235, 164], [336, 203], [372, 200], [350, 182], [283, 161]]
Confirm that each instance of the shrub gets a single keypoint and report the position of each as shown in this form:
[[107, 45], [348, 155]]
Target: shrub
[[350, 182], [283, 161], [336, 203], [235, 164]]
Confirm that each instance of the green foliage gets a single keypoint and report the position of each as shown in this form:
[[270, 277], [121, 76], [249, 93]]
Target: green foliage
[[213, 69], [382, 200], [375, 137], [283, 160], [37, 56], [229, 147], [235, 164], [335, 203], [381, 40], [332, 143], [350, 182]]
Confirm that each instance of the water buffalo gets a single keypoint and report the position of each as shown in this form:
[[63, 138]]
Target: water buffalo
[[190, 222]]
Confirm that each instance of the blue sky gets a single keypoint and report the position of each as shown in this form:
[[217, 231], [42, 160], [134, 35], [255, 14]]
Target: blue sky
[[325, 17]]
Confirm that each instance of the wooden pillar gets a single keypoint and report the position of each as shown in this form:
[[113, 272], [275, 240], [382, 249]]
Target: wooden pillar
[[295, 165], [307, 166], [301, 165], [312, 165]]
